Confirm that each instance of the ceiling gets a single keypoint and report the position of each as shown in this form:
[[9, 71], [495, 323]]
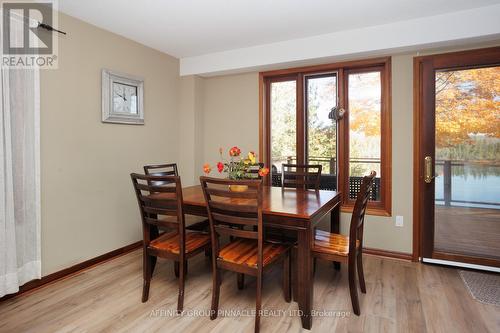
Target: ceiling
[[188, 28]]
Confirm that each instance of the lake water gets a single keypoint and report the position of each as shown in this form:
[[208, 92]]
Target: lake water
[[472, 188]]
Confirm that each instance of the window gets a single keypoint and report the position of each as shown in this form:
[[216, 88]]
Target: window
[[283, 125], [321, 138], [364, 96], [297, 126]]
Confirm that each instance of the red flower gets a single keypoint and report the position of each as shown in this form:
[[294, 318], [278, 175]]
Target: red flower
[[220, 166], [235, 151], [263, 172]]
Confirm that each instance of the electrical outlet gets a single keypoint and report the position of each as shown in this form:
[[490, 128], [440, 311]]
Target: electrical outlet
[[399, 221]]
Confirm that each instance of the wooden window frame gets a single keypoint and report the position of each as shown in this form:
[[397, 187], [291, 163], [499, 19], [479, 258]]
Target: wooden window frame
[[382, 207]]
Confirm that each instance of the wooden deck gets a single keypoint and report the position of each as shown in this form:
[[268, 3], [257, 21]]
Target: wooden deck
[[468, 231], [401, 297]]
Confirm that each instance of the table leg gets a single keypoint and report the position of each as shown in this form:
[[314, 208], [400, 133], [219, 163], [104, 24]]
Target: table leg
[[335, 228], [304, 276]]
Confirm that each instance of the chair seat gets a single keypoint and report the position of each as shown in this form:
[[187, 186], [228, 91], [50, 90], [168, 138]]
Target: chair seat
[[169, 242], [326, 242], [244, 252]]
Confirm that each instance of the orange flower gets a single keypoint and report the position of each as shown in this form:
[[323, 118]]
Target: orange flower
[[220, 167], [206, 168], [235, 151], [263, 172]]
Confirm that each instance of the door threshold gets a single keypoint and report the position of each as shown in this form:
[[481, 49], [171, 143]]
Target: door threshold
[[461, 264]]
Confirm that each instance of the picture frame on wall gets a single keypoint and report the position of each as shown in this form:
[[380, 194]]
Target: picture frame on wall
[[122, 98]]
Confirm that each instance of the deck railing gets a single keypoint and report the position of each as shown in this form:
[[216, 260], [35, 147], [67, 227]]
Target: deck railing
[[331, 162], [329, 178], [447, 198]]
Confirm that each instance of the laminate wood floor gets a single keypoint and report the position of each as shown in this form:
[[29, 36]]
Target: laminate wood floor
[[401, 297]]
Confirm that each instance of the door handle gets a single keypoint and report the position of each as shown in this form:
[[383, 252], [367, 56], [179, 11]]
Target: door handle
[[428, 177]]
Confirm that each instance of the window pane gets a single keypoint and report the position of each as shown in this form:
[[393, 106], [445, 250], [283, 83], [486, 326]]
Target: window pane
[[321, 130], [364, 130], [283, 126]]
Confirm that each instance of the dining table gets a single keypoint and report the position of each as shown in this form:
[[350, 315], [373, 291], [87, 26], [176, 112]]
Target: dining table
[[299, 210]]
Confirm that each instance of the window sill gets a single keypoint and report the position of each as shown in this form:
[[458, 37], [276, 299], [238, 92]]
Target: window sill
[[376, 211]]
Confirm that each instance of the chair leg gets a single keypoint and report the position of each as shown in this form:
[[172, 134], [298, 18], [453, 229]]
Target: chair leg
[[147, 273], [216, 279], [182, 277], [176, 268], [258, 302], [287, 287], [361, 275], [240, 277], [295, 290], [153, 264], [351, 268]]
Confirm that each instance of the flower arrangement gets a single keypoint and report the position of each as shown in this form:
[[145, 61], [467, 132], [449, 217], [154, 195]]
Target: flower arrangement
[[237, 167]]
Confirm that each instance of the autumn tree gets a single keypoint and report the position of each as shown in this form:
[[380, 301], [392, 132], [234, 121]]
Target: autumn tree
[[467, 104]]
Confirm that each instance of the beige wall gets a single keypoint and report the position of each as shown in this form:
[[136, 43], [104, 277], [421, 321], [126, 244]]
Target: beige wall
[[189, 135], [231, 114], [88, 206], [230, 108]]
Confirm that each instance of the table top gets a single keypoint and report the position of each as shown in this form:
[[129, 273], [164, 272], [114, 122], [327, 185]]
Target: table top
[[277, 201]]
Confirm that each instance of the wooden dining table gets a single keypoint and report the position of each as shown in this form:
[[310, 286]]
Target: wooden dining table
[[290, 209]]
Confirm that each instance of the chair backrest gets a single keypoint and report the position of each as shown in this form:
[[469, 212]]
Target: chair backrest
[[253, 171], [169, 169], [157, 202], [301, 176], [234, 213], [358, 214]]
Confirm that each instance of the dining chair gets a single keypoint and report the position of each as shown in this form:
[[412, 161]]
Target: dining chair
[[167, 169], [193, 222], [343, 249], [235, 214], [161, 206], [305, 176], [298, 176]]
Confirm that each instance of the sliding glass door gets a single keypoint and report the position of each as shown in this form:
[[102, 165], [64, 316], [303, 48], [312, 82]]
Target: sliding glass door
[[467, 165], [462, 166]]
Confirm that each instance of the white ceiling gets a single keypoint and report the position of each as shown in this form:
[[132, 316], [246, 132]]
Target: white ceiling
[[188, 28]]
